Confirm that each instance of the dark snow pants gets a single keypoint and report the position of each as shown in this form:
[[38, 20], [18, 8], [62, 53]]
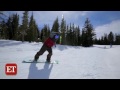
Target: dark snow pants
[[42, 50]]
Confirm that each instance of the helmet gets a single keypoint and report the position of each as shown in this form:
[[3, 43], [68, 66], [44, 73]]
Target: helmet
[[56, 36]]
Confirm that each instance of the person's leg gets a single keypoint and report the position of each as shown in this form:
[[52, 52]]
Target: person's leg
[[110, 45], [49, 54], [40, 52]]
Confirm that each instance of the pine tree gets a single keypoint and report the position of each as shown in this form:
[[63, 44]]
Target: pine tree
[[15, 25], [105, 42], [45, 32], [70, 35], [19, 37], [117, 39], [73, 35], [30, 33], [3, 31], [9, 28], [24, 25], [89, 33], [95, 41], [63, 30], [67, 35], [36, 32], [55, 26], [78, 36], [84, 37], [102, 40]]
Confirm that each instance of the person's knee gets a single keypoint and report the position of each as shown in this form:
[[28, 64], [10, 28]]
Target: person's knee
[[50, 54], [39, 53]]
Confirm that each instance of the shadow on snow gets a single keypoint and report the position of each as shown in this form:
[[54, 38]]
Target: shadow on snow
[[35, 73], [64, 47], [102, 47]]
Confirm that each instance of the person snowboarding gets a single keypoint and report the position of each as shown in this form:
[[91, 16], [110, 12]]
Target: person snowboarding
[[111, 39], [47, 46]]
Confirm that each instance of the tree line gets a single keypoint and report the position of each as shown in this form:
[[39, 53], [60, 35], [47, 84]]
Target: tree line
[[106, 39], [12, 30], [70, 33]]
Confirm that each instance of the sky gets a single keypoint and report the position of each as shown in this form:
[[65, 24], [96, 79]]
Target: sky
[[102, 21], [74, 62]]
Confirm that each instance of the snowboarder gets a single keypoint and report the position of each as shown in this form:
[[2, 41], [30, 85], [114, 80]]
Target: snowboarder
[[110, 44], [47, 45], [111, 38]]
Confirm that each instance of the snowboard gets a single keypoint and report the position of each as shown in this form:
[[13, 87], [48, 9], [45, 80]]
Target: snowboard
[[40, 61]]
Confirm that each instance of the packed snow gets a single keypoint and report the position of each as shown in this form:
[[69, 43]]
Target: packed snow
[[75, 62]]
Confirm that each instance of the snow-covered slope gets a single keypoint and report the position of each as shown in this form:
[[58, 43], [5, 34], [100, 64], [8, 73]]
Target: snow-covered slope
[[75, 62]]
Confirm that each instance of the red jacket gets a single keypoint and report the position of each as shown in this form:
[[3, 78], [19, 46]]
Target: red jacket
[[49, 42]]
